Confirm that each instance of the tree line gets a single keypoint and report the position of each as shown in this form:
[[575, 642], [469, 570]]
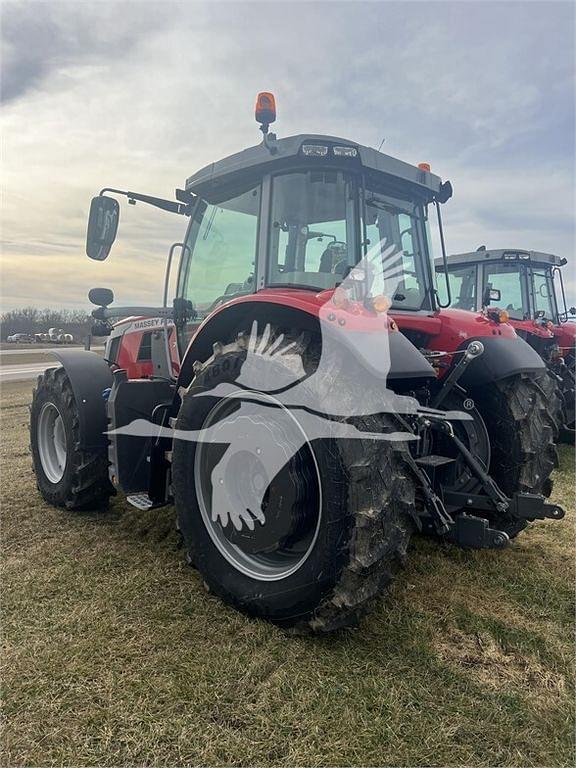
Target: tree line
[[32, 320]]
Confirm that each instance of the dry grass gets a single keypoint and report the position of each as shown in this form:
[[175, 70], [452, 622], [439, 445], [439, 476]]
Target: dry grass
[[32, 354], [27, 357], [115, 655]]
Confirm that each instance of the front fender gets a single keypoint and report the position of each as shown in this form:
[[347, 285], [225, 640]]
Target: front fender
[[502, 357], [89, 376]]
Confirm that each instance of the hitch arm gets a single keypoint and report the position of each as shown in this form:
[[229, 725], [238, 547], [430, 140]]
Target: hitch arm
[[474, 350], [498, 499], [522, 506]]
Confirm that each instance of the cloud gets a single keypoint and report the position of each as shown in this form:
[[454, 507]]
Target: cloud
[[39, 38], [140, 95]]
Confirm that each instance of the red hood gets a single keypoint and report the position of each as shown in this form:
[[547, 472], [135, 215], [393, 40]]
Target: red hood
[[534, 328], [566, 329], [475, 323], [448, 328], [565, 335]]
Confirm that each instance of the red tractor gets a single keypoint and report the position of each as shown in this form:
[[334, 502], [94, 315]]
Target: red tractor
[[529, 288], [300, 435]]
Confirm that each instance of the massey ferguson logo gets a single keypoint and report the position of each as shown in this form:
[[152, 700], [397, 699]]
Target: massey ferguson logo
[[147, 323]]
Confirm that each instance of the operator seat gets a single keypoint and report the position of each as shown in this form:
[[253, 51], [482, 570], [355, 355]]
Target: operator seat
[[332, 258]]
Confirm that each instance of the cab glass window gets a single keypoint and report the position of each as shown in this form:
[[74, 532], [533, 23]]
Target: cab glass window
[[312, 229], [462, 287], [543, 288], [219, 263], [509, 279], [396, 229]]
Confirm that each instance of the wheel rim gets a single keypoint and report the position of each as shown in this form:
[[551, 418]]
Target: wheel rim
[[52, 442], [291, 499]]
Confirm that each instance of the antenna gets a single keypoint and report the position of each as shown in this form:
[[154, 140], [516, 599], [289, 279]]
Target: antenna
[[382, 142]]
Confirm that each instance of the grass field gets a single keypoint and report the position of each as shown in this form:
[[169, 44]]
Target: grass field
[[33, 355], [114, 654], [27, 357], [5, 346]]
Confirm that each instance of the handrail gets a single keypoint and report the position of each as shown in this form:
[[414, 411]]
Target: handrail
[[444, 260]]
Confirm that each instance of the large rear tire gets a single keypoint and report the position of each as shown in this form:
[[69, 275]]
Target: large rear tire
[[551, 388], [522, 433], [563, 376], [355, 516], [66, 476]]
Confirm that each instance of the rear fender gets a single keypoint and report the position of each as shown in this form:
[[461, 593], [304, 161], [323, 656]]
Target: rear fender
[[403, 362], [502, 358], [89, 376]]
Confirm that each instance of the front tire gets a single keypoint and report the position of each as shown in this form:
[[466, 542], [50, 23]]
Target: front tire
[[358, 507], [66, 476]]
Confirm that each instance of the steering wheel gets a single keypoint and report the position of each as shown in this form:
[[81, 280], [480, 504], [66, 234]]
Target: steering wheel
[[338, 267]]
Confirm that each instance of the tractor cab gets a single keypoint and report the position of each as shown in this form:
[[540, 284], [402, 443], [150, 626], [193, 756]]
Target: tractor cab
[[527, 284], [285, 224], [526, 288], [298, 214]]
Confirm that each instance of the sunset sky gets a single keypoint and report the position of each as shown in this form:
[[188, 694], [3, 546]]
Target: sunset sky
[[139, 95]]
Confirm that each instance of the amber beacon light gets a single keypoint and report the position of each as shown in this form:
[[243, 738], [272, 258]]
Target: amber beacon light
[[265, 111]]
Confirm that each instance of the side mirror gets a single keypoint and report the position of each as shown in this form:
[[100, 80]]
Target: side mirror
[[490, 295], [102, 226], [445, 192], [102, 297]]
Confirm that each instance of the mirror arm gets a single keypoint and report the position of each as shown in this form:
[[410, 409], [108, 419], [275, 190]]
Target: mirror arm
[[107, 313], [184, 209]]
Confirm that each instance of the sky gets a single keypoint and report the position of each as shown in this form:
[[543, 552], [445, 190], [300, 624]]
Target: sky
[[140, 95]]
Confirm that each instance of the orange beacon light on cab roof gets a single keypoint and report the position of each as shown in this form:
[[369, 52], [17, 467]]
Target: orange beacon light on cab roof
[[265, 111]]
